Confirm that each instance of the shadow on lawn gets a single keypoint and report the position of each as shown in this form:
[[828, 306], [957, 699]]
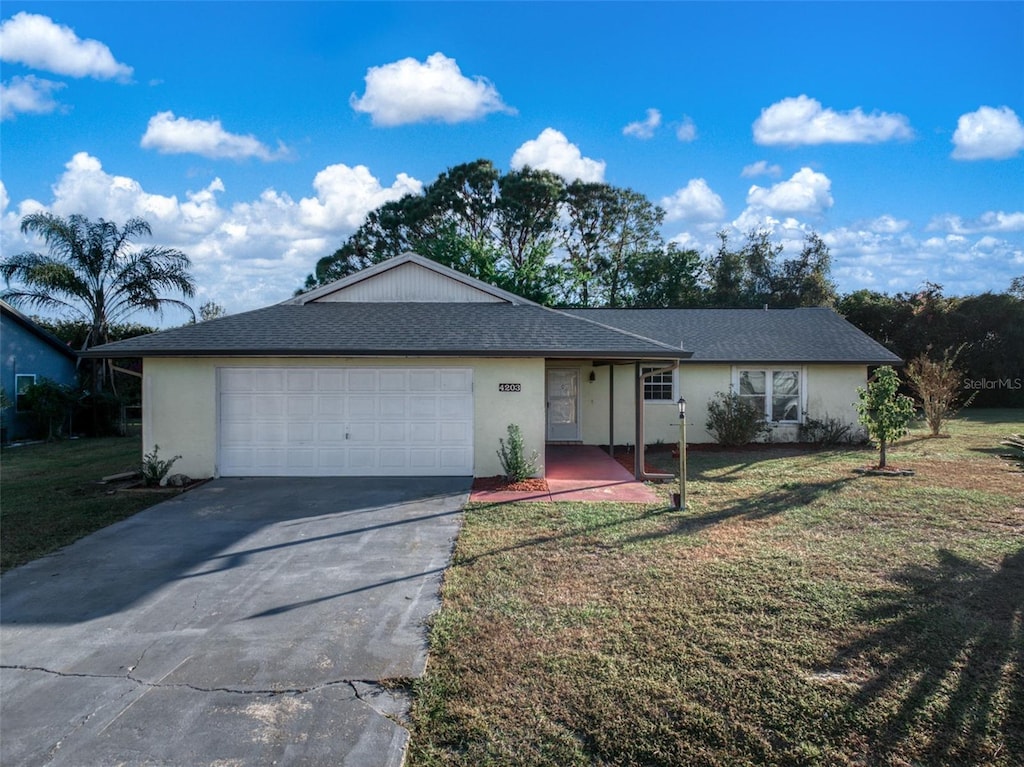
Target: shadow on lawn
[[945, 659], [784, 498]]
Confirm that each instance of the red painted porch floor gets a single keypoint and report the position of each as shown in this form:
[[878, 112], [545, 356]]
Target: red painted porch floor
[[580, 473]]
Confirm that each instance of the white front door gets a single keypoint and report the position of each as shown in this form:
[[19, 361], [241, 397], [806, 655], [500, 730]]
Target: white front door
[[563, 390]]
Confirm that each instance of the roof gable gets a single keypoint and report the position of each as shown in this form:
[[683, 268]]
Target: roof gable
[[409, 278], [8, 311]]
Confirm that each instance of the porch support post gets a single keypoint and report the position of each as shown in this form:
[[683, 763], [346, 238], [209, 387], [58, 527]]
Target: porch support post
[[611, 409], [638, 420]]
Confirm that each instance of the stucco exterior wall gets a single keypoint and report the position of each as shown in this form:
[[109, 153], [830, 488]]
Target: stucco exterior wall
[[180, 404], [831, 392]]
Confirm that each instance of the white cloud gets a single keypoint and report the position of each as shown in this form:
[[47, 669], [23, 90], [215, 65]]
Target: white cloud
[[802, 120], [644, 129], [988, 134], [761, 168], [38, 42], [686, 131], [694, 202], [552, 151], [344, 195], [991, 221], [408, 91], [179, 135], [886, 224], [806, 192], [245, 255], [27, 95]]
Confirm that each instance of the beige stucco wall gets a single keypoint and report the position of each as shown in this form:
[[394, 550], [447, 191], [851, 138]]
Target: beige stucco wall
[[180, 404], [831, 392]]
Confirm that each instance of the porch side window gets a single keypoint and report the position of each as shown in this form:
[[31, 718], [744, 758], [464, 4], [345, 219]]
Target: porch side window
[[658, 388], [21, 383], [776, 393]]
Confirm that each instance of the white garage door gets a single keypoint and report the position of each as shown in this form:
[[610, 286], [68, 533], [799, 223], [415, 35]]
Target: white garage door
[[305, 422]]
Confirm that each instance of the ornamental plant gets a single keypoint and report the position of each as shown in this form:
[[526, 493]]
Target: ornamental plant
[[733, 420], [883, 411], [512, 455], [939, 385], [154, 468]]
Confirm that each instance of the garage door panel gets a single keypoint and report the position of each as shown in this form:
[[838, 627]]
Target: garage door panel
[[454, 433], [269, 433], [303, 407], [454, 408], [264, 406], [453, 458], [423, 380], [392, 408], [364, 432], [456, 380], [362, 380], [301, 432], [269, 381], [345, 421], [330, 406], [362, 408], [393, 380], [330, 432], [392, 432]]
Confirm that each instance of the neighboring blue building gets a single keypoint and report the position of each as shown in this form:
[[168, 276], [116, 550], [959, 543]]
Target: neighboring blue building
[[27, 355]]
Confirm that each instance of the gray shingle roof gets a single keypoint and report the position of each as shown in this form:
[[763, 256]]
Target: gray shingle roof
[[382, 329], [751, 335]]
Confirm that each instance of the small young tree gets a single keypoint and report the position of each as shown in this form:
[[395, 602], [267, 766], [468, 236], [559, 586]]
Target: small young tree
[[939, 386], [513, 458], [883, 411]]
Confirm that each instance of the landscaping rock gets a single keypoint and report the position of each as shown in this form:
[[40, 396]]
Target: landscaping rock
[[176, 480]]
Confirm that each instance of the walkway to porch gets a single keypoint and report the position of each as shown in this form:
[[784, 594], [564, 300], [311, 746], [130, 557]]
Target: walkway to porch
[[580, 473]]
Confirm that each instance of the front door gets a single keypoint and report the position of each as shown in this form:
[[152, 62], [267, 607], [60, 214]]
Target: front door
[[563, 386]]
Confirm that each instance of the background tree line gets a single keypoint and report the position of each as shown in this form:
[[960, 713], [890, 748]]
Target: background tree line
[[575, 244], [579, 244]]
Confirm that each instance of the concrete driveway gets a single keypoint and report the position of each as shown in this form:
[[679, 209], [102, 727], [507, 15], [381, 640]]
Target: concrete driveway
[[246, 622]]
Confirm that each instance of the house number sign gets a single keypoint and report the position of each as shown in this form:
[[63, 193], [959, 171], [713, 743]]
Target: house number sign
[[510, 387]]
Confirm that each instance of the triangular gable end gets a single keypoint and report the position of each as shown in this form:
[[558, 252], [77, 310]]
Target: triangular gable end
[[409, 278]]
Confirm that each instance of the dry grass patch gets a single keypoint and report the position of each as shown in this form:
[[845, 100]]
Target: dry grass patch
[[795, 614]]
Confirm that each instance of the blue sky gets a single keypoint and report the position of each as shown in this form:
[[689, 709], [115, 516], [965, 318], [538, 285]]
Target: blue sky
[[256, 136]]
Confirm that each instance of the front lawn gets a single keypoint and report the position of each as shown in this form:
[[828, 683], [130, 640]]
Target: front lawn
[[796, 614], [50, 495]]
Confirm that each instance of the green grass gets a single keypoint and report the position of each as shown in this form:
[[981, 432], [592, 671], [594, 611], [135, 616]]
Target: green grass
[[796, 614], [50, 494]]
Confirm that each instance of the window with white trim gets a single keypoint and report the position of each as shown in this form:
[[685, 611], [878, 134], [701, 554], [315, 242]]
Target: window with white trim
[[778, 393], [659, 387], [21, 383]]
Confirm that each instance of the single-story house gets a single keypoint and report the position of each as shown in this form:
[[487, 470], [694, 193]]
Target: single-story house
[[411, 368], [30, 354]]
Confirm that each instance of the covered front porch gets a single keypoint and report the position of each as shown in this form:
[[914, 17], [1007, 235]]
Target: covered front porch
[[580, 473], [617, 402]]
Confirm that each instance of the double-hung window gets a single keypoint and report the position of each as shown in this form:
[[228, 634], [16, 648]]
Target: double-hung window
[[658, 387], [776, 392]]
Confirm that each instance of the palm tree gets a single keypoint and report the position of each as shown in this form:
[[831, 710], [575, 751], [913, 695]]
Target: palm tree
[[93, 272]]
